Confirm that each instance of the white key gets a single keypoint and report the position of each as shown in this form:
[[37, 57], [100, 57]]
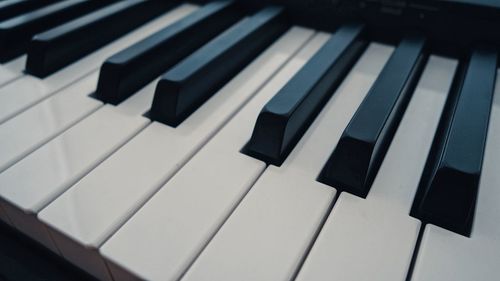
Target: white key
[[447, 256], [12, 70], [138, 104], [375, 237], [132, 174], [16, 65], [32, 128], [28, 90], [32, 183], [183, 216], [82, 156], [270, 231]]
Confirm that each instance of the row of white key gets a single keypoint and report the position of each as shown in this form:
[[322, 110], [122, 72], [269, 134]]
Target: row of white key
[[138, 169], [32, 128]]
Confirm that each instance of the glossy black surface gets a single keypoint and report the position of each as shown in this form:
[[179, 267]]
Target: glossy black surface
[[12, 8], [186, 86], [284, 119], [16, 33], [449, 185], [126, 72], [451, 26], [362, 147], [53, 49]]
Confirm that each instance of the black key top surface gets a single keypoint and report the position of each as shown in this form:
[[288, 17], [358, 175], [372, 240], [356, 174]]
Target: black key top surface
[[449, 185], [13, 8], [53, 49], [16, 33], [286, 117], [126, 72], [357, 157], [185, 87]]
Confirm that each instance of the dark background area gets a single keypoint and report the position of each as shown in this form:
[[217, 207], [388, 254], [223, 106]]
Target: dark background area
[[22, 259]]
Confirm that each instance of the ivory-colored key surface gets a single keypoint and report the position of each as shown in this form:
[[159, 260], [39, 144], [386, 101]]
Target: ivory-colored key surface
[[17, 64], [270, 231], [174, 226], [89, 212], [12, 70], [447, 256], [32, 128], [26, 91], [375, 236], [30, 184], [110, 127]]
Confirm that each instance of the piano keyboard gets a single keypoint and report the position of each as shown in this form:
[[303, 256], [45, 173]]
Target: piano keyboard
[[146, 140]]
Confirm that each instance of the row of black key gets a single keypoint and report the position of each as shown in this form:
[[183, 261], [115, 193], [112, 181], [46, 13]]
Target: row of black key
[[53, 49], [186, 86], [149, 58], [217, 43], [12, 8], [449, 184], [199, 75], [16, 32]]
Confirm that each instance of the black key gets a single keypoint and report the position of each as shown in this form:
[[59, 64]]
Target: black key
[[13, 8], [16, 33], [190, 83], [356, 159], [286, 117], [129, 70], [449, 185], [62, 45]]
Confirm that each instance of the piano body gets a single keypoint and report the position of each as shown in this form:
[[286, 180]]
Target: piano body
[[249, 140]]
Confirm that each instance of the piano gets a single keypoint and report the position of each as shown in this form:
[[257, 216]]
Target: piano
[[250, 140]]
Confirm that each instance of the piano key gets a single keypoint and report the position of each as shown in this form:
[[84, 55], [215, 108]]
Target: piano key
[[33, 182], [139, 103], [129, 70], [191, 82], [286, 116], [13, 8], [32, 128], [185, 213], [358, 230], [26, 91], [12, 70], [53, 49], [448, 256], [16, 65], [269, 232], [359, 153], [15, 33], [449, 184], [142, 162]]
